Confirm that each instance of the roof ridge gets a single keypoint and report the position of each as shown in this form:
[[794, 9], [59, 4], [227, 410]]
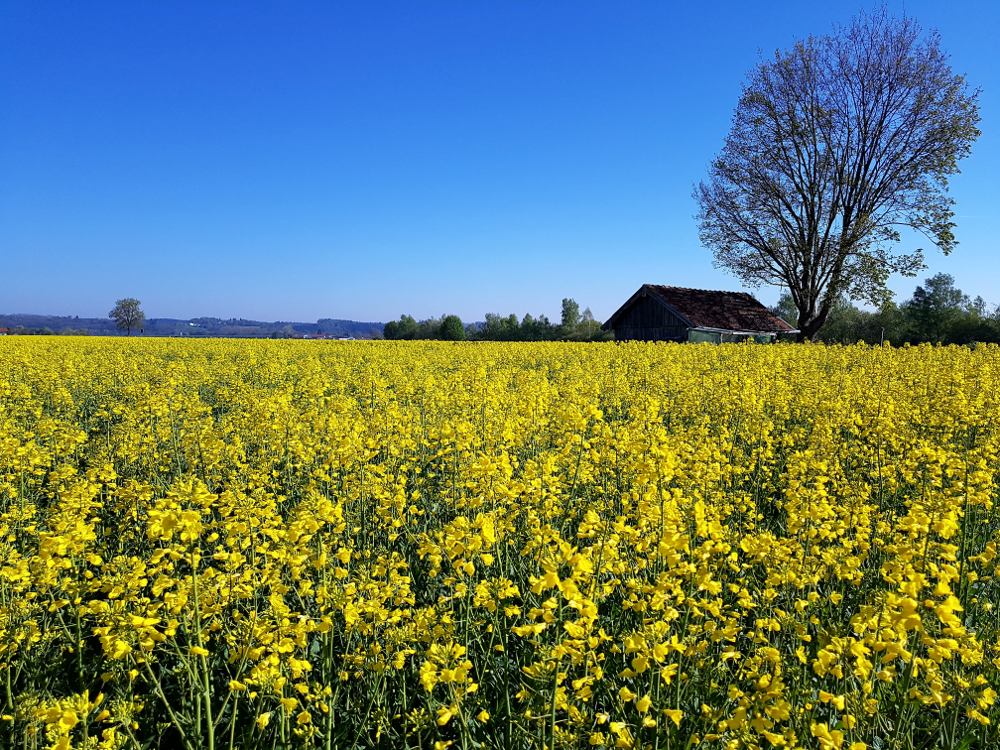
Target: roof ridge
[[693, 289]]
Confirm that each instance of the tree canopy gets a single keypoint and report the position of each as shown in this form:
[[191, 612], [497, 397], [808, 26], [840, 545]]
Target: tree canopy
[[127, 314], [570, 314], [835, 145], [452, 328], [937, 313]]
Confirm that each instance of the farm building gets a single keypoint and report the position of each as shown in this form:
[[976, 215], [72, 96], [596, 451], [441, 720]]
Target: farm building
[[672, 313]]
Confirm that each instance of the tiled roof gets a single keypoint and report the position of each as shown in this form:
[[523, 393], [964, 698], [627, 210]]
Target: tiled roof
[[734, 311]]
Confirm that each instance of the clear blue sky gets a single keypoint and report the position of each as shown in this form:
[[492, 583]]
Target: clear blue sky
[[303, 160]]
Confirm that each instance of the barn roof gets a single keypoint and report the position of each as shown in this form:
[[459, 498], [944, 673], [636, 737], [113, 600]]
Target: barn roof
[[703, 308]]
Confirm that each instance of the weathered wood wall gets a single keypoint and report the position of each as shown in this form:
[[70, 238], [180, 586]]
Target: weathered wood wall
[[648, 320]]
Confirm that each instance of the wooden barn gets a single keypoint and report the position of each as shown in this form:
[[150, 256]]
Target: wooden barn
[[672, 313]]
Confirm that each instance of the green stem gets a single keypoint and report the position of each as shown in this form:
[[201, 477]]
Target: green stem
[[205, 677], [166, 704]]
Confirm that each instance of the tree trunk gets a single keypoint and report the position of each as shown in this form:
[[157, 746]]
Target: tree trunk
[[809, 329]]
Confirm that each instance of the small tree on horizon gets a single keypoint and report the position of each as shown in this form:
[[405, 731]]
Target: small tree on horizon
[[570, 317], [127, 314], [452, 328], [589, 326], [935, 308]]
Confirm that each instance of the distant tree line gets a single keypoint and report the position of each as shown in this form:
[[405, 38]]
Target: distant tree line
[[938, 312], [46, 331], [202, 327], [573, 326]]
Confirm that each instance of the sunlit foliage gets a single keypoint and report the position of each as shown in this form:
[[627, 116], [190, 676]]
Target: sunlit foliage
[[380, 544]]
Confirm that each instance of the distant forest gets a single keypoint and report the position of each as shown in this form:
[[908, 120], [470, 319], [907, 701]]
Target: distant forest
[[190, 328], [573, 326], [938, 312]]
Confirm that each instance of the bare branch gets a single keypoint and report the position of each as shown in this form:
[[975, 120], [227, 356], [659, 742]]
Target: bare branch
[[835, 145]]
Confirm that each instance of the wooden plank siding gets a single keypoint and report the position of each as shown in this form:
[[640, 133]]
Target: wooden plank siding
[[649, 320]]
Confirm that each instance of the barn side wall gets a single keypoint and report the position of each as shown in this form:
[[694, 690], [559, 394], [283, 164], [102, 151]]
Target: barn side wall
[[648, 320]]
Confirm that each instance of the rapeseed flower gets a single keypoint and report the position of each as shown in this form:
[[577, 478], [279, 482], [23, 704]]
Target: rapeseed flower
[[255, 543]]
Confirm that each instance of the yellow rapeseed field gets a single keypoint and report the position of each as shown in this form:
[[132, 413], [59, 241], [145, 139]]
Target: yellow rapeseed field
[[265, 544]]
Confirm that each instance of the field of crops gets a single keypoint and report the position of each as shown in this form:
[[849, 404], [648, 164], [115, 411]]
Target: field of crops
[[263, 544]]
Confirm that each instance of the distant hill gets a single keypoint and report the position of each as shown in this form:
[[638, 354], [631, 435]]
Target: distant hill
[[192, 327]]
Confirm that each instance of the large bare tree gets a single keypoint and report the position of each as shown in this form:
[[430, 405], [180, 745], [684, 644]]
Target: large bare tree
[[836, 144]]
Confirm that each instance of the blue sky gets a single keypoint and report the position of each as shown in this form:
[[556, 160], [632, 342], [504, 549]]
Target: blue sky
[[303, 160]]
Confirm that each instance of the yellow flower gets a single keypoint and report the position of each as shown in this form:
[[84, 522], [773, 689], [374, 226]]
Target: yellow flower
[[580, 514], [68, 720], [675, 715], [974, 714]]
